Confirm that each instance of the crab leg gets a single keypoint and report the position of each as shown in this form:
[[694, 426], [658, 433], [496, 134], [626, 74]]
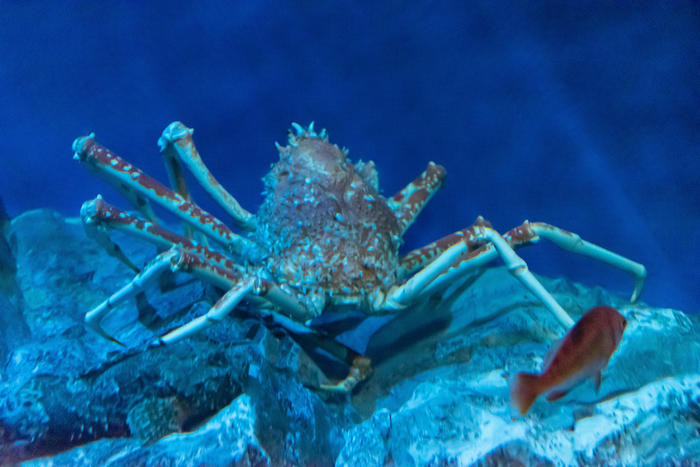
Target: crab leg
[[497, 245], [360, 369], [98, 216], [176, 176], [180, 258], [218, 312], [176, 143], [402, 295], [215, 269], [518, 267], [120, 172], [528, 233], [199, 260], [421, 257], [360, 366], [409, 202], [188, 261], [151, 272], [573, 242], [472, 261], [478, 258], [481, 244], [95, 230]]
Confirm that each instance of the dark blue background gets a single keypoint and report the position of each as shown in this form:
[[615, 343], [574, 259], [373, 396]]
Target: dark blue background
[[584, 116]]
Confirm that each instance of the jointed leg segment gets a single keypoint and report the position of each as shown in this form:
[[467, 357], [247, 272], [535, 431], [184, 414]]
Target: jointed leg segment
[[409, 202], [219, 311], [239, 285], [176, 144], [186, 256], [122, 174], [151, 272], [471, 248], [572, 242]]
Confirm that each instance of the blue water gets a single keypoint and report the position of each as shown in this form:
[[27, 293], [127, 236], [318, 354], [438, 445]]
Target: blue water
[[585, 116]]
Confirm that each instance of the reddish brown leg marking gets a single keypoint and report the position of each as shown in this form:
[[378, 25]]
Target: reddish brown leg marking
[[100, 215], [177, 182], [420, 257], [120, 172], [525, 234], [177, 146], [409, 202]]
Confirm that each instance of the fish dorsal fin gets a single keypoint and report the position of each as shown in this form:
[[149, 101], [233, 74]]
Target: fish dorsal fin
[[549, 356]]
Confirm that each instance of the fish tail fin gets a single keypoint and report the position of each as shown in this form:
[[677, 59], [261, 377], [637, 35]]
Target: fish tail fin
[[524, 389]]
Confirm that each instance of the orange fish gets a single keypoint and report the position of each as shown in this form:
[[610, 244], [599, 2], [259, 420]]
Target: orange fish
[[581, 354]]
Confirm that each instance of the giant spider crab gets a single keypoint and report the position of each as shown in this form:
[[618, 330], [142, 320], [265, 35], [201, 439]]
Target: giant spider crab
[[323, 237]]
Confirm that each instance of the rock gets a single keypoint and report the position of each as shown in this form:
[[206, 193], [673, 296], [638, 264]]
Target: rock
[[4, 218], [454, 424], [455, 410], [292, 422], [69, 386], [101, 452], [229, 438], [8, 267], [13, 330], [242, 393], [57, 271]]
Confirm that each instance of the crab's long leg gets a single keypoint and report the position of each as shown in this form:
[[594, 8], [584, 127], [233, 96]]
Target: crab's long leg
[[294, 311], [421, 257], [176, 176], [197, 259], [94, 229], [190, 262], [409, 202], [172, 259], [98, 217], [570, 241], [525, 234], [219, 311], [202, 263], [176, 143], [360, 366], [120, 172], [196, 262], [216, 269], [496, 246], [472, 261], [151, 272], [471, 248], [518, 267]]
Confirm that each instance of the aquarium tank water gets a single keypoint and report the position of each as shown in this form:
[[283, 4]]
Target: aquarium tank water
[[349, 233]]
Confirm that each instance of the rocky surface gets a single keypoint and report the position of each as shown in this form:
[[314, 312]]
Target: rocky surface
[[242, 393]]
